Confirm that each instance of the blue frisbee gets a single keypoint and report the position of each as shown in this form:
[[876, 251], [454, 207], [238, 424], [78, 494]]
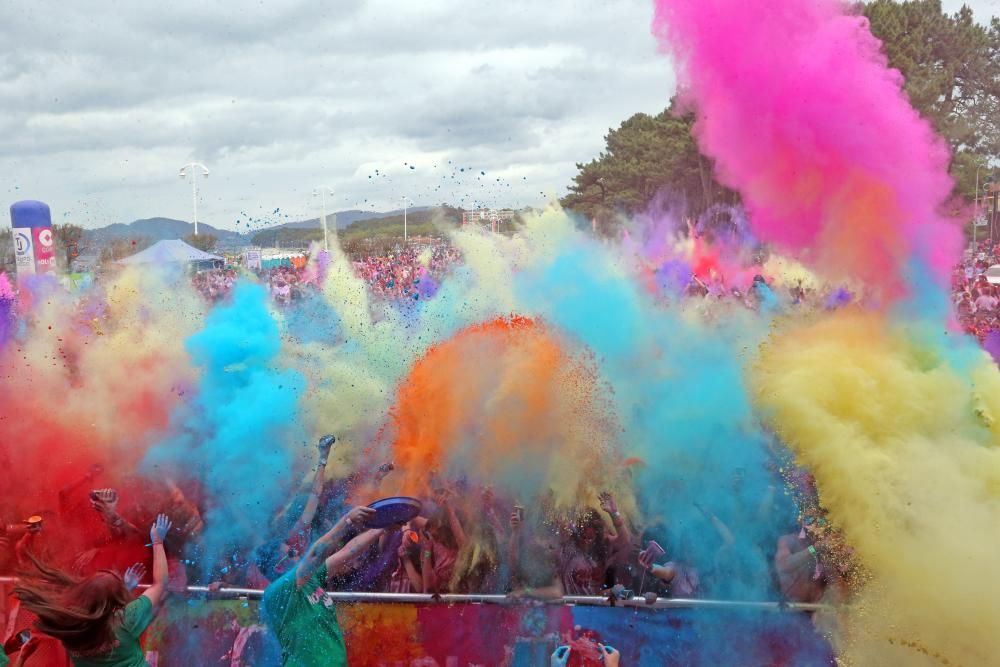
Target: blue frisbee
[[393, 510]]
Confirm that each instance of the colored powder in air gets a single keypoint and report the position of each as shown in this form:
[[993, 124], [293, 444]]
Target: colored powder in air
[[992, 345], [235, 436], [678, 392], [673, 277], [895, 418], [903, 444], [7, 315], [806, 121], [84, 390], [503, 403]]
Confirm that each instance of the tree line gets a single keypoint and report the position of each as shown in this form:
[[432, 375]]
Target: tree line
[[952, 69]]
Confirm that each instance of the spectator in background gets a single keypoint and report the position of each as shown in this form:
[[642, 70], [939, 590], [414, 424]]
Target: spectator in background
[[681, 579], [986, 300], [589, 557], [533, 560], [440, 541], [965, 307]]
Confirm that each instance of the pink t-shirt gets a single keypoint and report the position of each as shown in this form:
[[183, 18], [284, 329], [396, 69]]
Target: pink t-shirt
[[986, 302], [444, 565]]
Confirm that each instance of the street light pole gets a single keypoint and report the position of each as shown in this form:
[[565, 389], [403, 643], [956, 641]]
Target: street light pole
[[321, 191], [192, 168], [405, 199], [975, 206]]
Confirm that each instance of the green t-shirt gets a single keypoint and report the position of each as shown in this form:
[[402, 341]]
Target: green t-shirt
[[137, 617], [4, 660], [305, 622]]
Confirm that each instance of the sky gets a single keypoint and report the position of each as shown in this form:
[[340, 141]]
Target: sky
[[468, 103]]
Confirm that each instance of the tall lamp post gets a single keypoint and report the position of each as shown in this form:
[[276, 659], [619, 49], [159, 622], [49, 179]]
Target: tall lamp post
[[322, 191], [975, 206], [193, 168], [405, 200]]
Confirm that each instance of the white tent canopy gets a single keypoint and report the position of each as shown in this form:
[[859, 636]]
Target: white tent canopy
[[171, 251], [993, 274]]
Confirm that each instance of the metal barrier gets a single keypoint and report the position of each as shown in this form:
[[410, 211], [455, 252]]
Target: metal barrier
[[572, 600]]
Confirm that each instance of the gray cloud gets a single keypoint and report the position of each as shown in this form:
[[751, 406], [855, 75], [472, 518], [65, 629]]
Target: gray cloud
[[101, 102]]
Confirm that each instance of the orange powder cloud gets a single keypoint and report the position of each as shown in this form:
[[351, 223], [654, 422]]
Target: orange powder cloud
[[505, 402]]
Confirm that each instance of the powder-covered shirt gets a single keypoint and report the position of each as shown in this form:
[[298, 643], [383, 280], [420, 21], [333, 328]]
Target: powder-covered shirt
[[136, 618], [304, 620]]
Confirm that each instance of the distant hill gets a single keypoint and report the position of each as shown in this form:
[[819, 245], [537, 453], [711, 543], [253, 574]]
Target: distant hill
[[352, 225], [421, 220], [158, 229], [425, 221], [345, 218]]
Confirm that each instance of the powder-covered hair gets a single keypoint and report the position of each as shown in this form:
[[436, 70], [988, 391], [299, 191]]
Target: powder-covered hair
[[81, 612]]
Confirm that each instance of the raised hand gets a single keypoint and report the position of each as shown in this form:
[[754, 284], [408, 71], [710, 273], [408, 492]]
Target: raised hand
[[560, 658], [443, 494], [158, 531], [382, 471], [84, 559], [610, 655], [359, 516], [104, 500], [608, 503], [325, 444], [134, 575]]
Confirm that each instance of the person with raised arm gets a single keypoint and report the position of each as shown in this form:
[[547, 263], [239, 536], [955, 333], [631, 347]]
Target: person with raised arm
[[105, 503], [296, 607], [95, 618]]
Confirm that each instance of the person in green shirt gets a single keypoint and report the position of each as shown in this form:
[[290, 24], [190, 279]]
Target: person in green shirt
[[95, 617], [296, 607]]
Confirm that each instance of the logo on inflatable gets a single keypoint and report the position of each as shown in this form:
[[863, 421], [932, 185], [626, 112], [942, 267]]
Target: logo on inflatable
[[45, 237], [22, 243]]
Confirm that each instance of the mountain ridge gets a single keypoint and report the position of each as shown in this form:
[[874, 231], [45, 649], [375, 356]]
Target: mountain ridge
[[161, 228]]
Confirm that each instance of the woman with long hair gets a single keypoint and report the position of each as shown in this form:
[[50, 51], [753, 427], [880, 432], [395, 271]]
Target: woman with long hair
[[95, 617]]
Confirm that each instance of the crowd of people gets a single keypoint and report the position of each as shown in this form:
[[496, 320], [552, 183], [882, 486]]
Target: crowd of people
[[396, 273], [467, 538], [287, 284], [976, 299], [464, 539], [214, 284]]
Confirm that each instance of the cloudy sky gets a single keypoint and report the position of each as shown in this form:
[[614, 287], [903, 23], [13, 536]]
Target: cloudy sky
[[464, 102]]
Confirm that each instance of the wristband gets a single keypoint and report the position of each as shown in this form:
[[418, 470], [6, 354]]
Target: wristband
[[322, 462], [428, 554], [811, 549]]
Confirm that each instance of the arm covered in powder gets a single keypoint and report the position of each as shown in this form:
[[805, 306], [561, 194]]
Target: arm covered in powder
[[325, 546]]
